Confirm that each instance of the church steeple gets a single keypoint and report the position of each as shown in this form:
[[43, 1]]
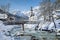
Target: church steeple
[[32, 14]]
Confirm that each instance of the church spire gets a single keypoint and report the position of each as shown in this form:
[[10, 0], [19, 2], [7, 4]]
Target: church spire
[[31, 12]]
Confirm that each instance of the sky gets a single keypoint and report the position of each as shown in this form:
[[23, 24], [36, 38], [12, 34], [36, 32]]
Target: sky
[[22, 5]]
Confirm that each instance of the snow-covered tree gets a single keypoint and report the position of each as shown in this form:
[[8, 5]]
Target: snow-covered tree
[[46, 9]]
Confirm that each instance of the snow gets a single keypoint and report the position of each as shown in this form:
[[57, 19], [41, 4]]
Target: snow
[[4, 29], [51, 26], [31, 26], [25, 15], [44, 25], [47, 25]]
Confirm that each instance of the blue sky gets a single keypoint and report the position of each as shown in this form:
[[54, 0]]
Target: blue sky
[[22, 5]]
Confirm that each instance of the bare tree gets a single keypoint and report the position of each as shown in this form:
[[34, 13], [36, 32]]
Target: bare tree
[[5, 7], [57, 4], [47, 8]]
